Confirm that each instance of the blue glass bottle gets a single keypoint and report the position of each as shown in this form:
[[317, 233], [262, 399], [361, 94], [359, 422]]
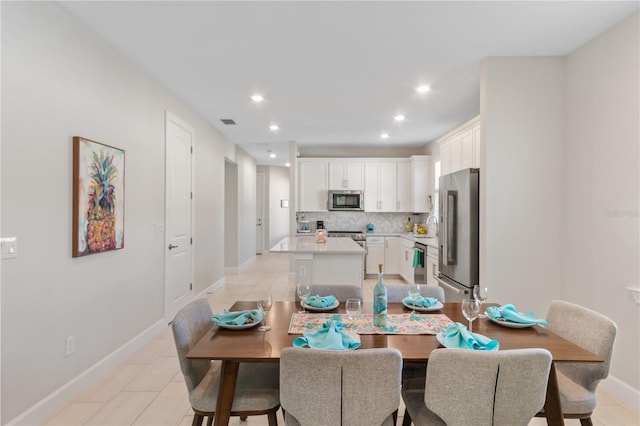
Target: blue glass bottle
[[380, 301]]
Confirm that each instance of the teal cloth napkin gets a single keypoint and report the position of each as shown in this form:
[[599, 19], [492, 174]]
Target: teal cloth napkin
[[457, 336], [237, 317], [418, 258], [421, 302], [329, 338], [510, 313], [320, 302]]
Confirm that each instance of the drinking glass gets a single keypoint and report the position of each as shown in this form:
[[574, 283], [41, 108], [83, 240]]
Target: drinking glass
[[414, 294], [264, 304], [354, 308], [470, 310], [304, 291], [480, 294]]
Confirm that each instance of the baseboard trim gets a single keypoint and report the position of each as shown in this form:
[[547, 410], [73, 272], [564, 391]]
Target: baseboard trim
[[622, 391], [238, 269], [218, 285], [50, 404]]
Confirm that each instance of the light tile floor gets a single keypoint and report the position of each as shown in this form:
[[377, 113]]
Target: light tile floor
[[148, 388]]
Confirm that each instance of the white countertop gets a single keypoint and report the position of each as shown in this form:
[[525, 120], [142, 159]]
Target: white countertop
[[428, 241], [309, 245]]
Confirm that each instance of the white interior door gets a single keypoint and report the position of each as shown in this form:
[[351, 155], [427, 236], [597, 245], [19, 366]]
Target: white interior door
[[178, 235], [259, 212]]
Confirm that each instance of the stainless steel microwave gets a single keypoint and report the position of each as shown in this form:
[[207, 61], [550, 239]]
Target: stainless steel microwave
[[346, 200]]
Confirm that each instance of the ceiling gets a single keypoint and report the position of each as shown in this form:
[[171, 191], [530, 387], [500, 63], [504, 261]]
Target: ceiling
[[334, 74]]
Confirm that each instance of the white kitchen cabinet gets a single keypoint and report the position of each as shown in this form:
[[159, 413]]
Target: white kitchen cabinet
[[347, 175], [460, 148], [391, 258], [312, 185], [380, 186], [421, 186], [375, 254], [406, 260], [404, 187], [431, 265]]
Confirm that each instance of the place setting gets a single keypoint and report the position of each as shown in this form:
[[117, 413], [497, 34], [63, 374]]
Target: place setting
[[416, 302], [458, 336], [244, 319]]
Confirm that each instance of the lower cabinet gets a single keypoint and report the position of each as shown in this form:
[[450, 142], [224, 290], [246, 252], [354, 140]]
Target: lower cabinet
[[431, 265], [383, 250], [375, 254], [406, 260]]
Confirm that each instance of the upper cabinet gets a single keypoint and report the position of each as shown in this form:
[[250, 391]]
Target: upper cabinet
[[460, 148], [312, 185], [380, 186], [421, 187], [348, 175], [389, 184]]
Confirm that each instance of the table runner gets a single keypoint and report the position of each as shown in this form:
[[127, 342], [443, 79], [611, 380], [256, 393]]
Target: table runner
[[396, 323]]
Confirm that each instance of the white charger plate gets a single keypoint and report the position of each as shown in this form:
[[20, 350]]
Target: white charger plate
[[326, 308], [510, 324], [435, 307], [239, 327], [440, 338]]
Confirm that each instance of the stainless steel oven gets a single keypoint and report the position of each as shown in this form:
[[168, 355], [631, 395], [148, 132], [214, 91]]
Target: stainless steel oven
[[419, 270]]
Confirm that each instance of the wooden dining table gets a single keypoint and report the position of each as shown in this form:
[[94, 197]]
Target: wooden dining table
[[251, 345]]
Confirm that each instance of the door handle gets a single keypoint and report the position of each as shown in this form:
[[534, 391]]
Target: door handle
[[171, 246]]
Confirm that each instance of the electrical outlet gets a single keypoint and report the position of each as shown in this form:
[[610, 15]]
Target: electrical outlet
[[303, 271], [70, 344]]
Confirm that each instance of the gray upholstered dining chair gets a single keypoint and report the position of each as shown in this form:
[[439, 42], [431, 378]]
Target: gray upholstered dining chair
[[466, 388], [257, 388], [397, 292], [341, 292], [351, 388], [577, 381]]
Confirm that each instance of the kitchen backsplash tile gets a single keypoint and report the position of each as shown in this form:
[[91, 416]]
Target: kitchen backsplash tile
[[357, 221]]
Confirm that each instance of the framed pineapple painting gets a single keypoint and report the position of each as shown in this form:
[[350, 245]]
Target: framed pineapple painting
[[98, 197]]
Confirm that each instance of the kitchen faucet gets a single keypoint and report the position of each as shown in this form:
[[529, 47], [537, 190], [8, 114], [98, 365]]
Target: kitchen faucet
[[435, 222]]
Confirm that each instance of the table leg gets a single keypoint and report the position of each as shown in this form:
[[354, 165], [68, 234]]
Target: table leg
[[552, 407], [226, 390]]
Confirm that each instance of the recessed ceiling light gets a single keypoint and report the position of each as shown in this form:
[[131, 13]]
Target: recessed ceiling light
[[257, 98], [274, 127], [423, 89], [384, 136], [287, 164], [272, 155], [399, 117]]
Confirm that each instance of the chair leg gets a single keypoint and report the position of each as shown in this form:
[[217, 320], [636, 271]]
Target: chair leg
[[197, 419], [243, 418], [273, 418], [395, 417], [406, 419], [586, 422], [210, 421]]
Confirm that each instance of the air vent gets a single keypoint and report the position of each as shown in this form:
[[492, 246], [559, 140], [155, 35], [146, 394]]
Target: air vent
[[228, 121]]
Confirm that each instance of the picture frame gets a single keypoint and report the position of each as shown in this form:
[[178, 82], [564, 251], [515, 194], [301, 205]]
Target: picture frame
[[98, 197]]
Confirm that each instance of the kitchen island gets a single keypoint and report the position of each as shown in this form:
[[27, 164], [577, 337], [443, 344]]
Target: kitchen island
[[337, 261]]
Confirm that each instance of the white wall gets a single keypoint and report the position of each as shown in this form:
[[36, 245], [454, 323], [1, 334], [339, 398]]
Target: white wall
[[278, 215], [560, 185], [522, 160], [602, 185], [60, 80]]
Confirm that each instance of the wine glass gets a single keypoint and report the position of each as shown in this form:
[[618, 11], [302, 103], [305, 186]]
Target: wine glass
[[264, 305], [470, 310], [304, 291], [354, 308], [413, 289], [480, 294]]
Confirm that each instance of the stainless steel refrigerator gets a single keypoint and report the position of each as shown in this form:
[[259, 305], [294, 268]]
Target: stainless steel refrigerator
[[458, 254]]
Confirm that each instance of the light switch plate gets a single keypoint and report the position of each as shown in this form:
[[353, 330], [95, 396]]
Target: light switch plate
[[8, 247]]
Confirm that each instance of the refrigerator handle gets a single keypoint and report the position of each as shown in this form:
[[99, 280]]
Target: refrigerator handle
[[449, 228], [449, 286]]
